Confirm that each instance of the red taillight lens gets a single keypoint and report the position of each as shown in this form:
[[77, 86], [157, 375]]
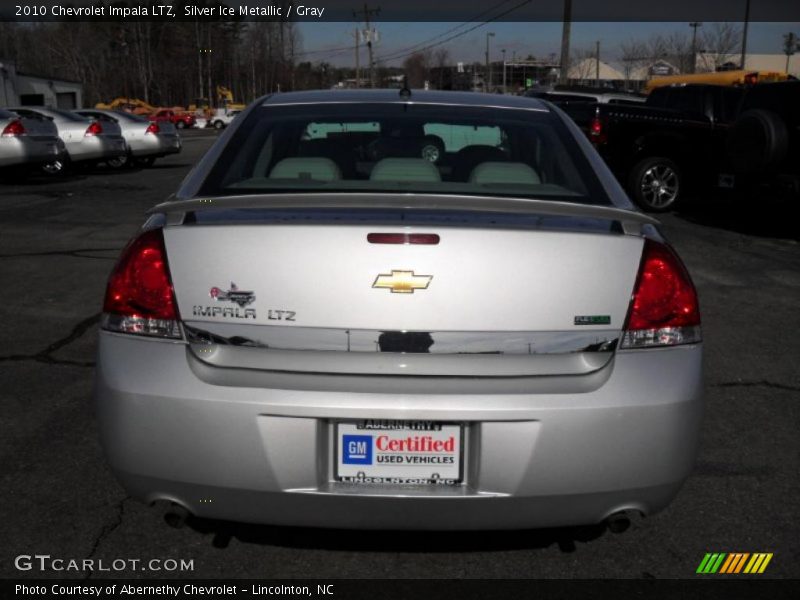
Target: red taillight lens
[[152, 128], [13, 129], [403, 238], [664, 310], [139, 297], [596, 131], [94, 129]]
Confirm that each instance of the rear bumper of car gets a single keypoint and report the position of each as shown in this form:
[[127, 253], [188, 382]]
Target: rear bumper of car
[[99, 147], [259, 454], [155, 145], [29, 150]]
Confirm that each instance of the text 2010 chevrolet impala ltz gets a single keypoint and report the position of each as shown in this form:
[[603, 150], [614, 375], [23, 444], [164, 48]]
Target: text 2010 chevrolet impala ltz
[[383, 309]]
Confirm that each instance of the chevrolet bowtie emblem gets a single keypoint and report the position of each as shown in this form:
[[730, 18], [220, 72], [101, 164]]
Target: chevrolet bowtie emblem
[[402, 282]]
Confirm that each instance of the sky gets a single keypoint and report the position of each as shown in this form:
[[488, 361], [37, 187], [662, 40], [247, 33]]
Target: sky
[[538, 39]]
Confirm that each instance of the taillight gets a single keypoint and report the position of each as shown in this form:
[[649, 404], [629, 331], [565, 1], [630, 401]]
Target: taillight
[[94, 129], [664, 310], [152, 128], [139, 297], [596, 131], [14, 129]]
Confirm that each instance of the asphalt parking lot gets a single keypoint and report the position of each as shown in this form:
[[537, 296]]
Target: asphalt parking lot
[[58, 241]]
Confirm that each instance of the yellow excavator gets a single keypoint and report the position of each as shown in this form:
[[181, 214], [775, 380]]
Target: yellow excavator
[[225, 99]]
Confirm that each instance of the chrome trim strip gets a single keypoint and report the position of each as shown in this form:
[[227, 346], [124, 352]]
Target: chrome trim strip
[[360, 341]]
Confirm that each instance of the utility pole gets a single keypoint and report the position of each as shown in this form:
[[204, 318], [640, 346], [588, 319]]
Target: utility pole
[[565, 41], [790, 46], [694, 25], [504, 70], [597, 64], [357, 35], [487, 84], [744, 32], [367, 13]]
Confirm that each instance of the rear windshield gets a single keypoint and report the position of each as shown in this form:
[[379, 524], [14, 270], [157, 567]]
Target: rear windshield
[[131, 117], [66, 115], [400, 147]]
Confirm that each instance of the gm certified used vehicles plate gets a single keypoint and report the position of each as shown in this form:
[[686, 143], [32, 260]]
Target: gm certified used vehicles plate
[[425, 310]]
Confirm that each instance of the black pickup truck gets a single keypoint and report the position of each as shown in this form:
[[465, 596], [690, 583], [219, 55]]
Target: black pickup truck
[[696, 136]]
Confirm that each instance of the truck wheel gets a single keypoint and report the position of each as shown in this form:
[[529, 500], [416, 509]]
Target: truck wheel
[[757, 140], [180, 124], [656, 183]]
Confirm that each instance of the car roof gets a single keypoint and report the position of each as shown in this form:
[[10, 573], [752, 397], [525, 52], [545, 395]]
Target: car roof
[[468, 99]]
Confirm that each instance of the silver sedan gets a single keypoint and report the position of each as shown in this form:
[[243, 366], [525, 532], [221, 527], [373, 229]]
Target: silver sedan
[[86, 141], [331, 325], [146, 140], [27, 141]]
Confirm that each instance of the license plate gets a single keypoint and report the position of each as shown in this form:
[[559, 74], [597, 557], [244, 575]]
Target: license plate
[[399, 452]]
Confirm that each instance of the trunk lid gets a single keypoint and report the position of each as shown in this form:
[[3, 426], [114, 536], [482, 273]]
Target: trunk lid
[[239, 277]]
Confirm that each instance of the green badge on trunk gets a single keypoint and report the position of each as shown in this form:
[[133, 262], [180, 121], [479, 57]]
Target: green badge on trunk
[[592, 320]]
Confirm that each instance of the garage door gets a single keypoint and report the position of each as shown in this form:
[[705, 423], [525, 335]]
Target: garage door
[[66, 100]]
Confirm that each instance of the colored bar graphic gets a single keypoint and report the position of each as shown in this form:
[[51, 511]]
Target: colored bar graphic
[[758, 563], [733, 563], [711, 563]]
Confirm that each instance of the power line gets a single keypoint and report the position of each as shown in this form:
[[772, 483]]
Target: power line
[[458, 35], [444, 33]]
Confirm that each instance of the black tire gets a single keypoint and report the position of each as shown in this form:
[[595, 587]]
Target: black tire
[[758, 140], [120, 162], [147, 161], [57, 168], [219, 125], [180, 124], [656, 184]]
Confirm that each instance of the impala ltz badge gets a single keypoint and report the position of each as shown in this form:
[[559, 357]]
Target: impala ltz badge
[[402, 282], [240, 297]]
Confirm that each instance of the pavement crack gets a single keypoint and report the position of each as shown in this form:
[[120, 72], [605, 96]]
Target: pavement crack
[[760, 383], [45, 356], [107, 530]]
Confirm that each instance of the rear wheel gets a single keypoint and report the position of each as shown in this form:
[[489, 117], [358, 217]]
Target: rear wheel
[[656, 184], [218, 124], [147, 161], [119, 162], [180, 124], [57, 167]]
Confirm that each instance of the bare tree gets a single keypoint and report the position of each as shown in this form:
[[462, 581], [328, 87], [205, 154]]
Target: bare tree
[[633, 54], [720, 42], [441, 58], [416, 68]]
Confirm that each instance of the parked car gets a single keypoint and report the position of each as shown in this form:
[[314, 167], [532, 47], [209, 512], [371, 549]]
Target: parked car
[[28, 142], [87, 141], [180, 120], [146, 140], [329, 326], [222, 118]]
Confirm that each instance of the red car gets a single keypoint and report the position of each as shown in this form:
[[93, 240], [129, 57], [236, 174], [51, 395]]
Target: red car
[[180, 120]]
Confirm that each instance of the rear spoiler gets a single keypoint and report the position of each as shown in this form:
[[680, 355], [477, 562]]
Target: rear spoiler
[[631, 220]]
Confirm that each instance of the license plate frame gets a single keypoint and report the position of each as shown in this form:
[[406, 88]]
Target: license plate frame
[[412, 452]]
